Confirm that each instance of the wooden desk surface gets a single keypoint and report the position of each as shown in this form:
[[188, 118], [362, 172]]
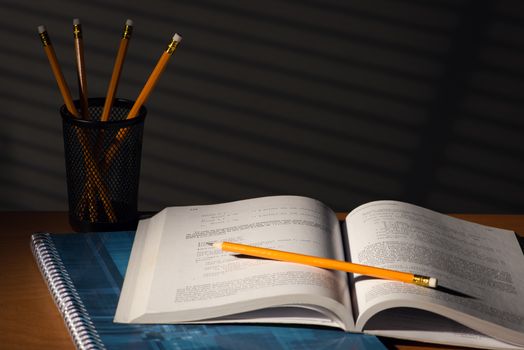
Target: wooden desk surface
[[28, 316]]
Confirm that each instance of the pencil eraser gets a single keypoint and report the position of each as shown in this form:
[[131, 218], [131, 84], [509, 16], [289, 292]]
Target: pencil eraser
[[41, 29], [432, 282], [76, 21], [177, 38], [129, 22]]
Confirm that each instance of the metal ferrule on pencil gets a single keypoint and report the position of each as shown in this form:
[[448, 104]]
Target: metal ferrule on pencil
[[45, 38], [172, 46], [128, 30], [77, 31], [421, 280]]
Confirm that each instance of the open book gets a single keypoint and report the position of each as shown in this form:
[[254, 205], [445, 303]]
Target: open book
[[174, 276]]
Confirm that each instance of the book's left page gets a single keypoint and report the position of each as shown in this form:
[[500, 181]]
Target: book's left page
[[95, 264], [175, 276]]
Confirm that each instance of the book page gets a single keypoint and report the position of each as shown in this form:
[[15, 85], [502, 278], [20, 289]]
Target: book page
[[429, 327], [193, 281], [481, 268]]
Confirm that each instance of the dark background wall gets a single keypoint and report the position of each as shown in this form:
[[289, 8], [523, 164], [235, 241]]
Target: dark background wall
[[345, 101]]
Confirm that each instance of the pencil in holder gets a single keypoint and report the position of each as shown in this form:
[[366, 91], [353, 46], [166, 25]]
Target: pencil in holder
[[102, 160]]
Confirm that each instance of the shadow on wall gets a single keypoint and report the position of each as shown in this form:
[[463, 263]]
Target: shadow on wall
[[342, 101]]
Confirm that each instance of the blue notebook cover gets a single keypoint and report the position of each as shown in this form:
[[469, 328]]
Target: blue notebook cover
[[85, 273]]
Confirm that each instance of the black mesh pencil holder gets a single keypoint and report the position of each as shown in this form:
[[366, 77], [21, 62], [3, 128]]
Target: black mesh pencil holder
[[102, 161]]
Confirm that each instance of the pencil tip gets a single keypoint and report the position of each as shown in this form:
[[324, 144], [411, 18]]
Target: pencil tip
[[76, 21], [129, 22], [177, 38], [41, 29], [209, 243]]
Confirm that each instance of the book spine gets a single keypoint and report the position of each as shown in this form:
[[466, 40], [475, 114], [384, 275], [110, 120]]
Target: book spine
[[65, 296]]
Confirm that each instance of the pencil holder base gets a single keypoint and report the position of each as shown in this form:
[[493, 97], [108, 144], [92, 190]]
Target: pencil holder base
[[102, 160], [86, 226]]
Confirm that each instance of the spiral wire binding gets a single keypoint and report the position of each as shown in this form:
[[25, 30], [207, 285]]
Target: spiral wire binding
[[64, 293]]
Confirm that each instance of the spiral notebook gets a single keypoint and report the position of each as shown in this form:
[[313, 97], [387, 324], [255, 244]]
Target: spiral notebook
[[85, 273]]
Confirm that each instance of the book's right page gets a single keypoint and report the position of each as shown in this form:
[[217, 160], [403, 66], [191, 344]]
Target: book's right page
[[480, 271]]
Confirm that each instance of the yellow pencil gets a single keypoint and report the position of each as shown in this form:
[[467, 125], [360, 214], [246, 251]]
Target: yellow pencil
[[117, 69], [332, 264], [91, 166], [80, 67], [153, 78], [57, 72], [144, 94]]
